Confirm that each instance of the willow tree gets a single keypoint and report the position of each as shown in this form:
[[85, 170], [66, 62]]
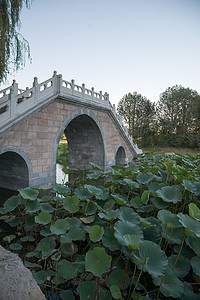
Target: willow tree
[[14, 48]]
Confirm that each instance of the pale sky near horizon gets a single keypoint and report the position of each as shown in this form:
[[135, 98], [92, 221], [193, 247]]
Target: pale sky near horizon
[[117, 46]]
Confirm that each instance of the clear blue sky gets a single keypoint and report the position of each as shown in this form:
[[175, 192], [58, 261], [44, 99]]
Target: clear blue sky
[[117, 46]]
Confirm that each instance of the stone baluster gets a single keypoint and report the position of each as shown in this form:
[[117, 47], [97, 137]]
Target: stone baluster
[[83, 90], [13, 94], [59, 83], [100, 97], [72, 86], [36, 89], [92, 93], [106, 96]]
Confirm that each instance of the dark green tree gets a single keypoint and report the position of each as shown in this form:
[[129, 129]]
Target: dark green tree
[[138, 114], [179, 110], [14, 48]]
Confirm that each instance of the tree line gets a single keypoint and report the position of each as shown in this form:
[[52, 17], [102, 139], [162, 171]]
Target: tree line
[[173, 121]]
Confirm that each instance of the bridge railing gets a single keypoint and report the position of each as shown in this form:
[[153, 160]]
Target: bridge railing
[[15, 102]]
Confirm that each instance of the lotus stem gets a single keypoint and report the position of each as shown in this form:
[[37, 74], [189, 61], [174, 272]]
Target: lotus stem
[[135, 268], [179, 251], [137, 281], [167, 242]]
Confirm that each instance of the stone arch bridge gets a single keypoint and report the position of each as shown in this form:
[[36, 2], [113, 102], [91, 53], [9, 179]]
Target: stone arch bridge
[[32, 122]]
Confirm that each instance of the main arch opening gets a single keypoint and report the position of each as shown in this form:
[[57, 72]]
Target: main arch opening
[[85, 143], [120, 157], [13, 171]]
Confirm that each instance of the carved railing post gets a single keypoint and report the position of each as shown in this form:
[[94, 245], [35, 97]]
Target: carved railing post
[[36, 89], [59, 83], [83, 90], [72, 86], [13, 94], [92, 93]]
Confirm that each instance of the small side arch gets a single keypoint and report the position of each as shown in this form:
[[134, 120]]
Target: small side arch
[[16, 168], [120, 156]]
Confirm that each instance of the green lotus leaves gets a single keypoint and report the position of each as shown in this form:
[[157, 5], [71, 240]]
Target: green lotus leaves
[[43, 218], [60, 188], [132, 241], [11, 203], [40, 277], [88, 220], [189, 185], [82, 193], [109, 240], [15, 246], [127, 214], [46, 207], [192, 226], [182, 267], [171, 286], [95, 166], [119, 199], [131, 183], [46, 249], [122, 228], [116, 277], [60, 227], [188, 293], [115, 291], [29, 193], [32, 206], [144, 178], [9, 238], [145, 197], [109, 215], [89, 208], [97, 261], [86, 290], [152, 258], [27, 238], [96, 233], [93, 190], [66, 295], [75, 233], [194, 211], [169, 194], [195, 263], [69, 270], [168, 219], [194, 244], [136, 202], [71, 203]]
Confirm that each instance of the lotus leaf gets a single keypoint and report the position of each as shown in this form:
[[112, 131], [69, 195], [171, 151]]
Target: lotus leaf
[[46, 207], [9, 238], [115, 291], [71, 204], [97, 261], [116, 276], [29, 223], [109, 215], [136, 202], [32, 206], [169, 194], [93, 190], [122, 228], [189, 185], [75, 233], [69, 270], [66, 295], [82, 193], [197, 184], [109, 240], [120, 200], [152, 258], [144, 178], [96, 233], [132, 241], [43, 218], [188, 293], [88, 220], [127, 214], [171, 286], [192, 226], [95, 167], [194, 211], [60, 227], [168, 219], [131, 183], [40, 277], [15, 246], [195, 262], [173, 236], [60, 188], [86, 290], [11, 203], [27, 238], [45, 248], [182, 267], [159, 203], [145, 197], [29, 193], [194, 244], [89, 208]]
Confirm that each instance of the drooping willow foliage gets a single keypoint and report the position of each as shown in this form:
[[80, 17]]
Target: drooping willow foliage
[[14, 48]]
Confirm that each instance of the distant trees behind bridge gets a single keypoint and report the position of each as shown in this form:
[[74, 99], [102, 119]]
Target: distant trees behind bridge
[[173, 121]]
